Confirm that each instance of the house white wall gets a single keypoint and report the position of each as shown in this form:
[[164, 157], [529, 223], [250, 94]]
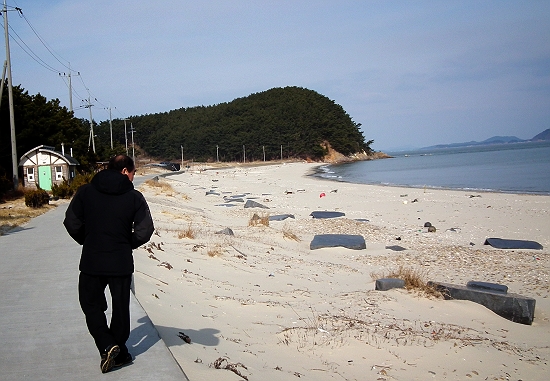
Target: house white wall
[[43, 166]]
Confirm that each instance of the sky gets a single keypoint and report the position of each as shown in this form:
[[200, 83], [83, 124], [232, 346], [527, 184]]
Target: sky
[[412, 73]]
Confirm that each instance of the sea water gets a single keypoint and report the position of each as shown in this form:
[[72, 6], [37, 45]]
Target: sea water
[[511, 168]]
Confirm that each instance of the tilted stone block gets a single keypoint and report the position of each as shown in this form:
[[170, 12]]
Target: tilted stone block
[[254, 204], [514, 307], [280, 217]]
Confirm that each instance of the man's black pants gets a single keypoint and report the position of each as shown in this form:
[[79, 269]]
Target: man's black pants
[[91, 294]]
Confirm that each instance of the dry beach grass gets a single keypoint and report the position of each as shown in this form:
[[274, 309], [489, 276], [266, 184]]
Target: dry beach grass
[[14, 213], [260, 305]]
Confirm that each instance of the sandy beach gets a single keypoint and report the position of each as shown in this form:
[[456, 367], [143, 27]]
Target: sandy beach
[[260, 305]]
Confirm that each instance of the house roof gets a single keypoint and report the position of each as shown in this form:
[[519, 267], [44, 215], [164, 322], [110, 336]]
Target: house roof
[[43, 148]]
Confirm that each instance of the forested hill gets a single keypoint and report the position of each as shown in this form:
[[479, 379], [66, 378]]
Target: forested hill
[[295, 119]]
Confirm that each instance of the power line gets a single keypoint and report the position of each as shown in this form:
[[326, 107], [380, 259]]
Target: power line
[[122, 115], [29, 51], [55, 55]]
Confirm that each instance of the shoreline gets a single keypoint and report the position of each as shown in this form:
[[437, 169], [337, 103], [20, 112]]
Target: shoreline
[[266, 301], [312, 172], [434, 187]]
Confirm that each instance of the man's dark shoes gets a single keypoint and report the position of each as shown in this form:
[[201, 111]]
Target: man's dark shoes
[[123, 359], [108, 358]]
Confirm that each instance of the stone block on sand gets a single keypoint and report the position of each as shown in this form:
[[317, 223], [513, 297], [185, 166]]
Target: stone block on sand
[[326, 214], [386, 284], [280, 217], [226, 231], [517, 244], [514, 307], [349, 241], [254, 204], [396, 248]]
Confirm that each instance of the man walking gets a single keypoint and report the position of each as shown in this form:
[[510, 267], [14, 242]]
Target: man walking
[[109, 218]]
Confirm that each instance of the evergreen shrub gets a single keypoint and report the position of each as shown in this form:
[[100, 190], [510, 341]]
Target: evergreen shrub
[[37, 198], [62, 190], [66, 190]]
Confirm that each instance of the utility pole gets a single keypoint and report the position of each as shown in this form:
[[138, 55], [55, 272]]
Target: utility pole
[[10, 95], [111, 125], [217, 154], [281, 152], [70, 87], [244, 154], [3, 81], [263, 148], [133, 147], [125, 136], [181, 157], [91, 138]]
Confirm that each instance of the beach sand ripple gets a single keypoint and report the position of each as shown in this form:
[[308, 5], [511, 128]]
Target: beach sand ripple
[[260, 305]]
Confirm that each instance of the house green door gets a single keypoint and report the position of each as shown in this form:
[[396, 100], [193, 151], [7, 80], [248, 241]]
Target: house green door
[[45, 177]]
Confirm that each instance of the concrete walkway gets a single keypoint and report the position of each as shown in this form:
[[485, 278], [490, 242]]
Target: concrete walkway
[[43, 335]]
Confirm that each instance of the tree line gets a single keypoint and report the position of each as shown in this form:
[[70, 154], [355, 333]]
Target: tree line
[[291, 122], [292, 119]]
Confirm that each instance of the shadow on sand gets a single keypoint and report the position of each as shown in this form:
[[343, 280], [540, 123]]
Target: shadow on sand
[[144, 337]]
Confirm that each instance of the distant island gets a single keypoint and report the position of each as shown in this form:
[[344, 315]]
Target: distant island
[[543, 136]]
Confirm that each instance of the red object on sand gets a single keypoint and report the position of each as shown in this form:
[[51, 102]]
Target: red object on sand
[[322, 195]]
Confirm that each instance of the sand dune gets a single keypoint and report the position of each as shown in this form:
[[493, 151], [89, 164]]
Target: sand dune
[[260, 305]]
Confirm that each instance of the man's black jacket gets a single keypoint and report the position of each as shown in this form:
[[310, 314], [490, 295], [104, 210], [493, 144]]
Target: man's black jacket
[[109, 218]]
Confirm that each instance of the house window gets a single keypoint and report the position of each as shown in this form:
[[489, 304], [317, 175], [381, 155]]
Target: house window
[[58, 172], [30, 175]]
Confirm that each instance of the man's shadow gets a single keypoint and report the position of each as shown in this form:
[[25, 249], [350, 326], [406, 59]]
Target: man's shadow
[[146, 335], [17, 229]]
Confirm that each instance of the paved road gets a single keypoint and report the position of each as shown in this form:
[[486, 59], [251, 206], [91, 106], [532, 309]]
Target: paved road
[[43, 335]]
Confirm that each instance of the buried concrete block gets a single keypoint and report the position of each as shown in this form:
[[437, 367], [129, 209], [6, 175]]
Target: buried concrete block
[[233, 199], [280, 217], [226, 231], [500, 243], [349, 241], [396, 248], [386, 284], [326, 214], [514, 307], [254, 204]]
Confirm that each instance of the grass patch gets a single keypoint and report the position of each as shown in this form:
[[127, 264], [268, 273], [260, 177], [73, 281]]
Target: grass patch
[[256, 220], [288, 234], [414, 280], [215, 251], [14, 213], [161, 186], [188, 232]]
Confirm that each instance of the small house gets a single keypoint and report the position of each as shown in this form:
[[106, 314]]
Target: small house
[[43, 166]]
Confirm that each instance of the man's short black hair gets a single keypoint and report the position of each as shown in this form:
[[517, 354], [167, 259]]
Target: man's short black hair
[[119, 162]]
